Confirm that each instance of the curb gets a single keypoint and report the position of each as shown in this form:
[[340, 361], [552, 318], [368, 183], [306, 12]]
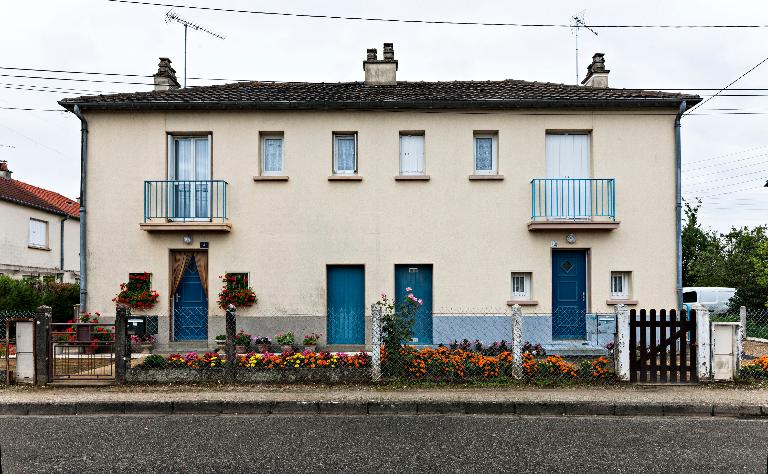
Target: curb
[[374, 408]]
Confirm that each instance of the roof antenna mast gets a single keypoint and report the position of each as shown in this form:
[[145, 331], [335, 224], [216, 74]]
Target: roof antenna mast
[[172, 16], [578, 22]]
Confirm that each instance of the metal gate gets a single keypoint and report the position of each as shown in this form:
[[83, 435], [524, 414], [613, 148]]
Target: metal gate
[[82, 351], [662, 346]]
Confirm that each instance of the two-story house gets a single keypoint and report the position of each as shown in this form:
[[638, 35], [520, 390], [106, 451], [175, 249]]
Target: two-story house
[[476, 194], [39, 231]]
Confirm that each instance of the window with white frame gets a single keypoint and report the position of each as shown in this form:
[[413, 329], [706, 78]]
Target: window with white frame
[[620, 285], [521, 286], [411, 154], [272, 154], [344, 153], [486, 153], [38, 233]]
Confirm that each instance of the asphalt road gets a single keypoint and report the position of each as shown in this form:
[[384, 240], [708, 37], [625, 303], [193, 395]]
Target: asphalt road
[[424, 443]]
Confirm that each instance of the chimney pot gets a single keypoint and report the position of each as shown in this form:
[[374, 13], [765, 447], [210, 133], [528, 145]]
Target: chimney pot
[[5, 173], [165, 77], [381, 71], [389, 52], [597, 74]]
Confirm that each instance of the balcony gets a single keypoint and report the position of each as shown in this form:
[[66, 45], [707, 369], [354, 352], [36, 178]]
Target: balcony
[[181, 205], [573, 203]]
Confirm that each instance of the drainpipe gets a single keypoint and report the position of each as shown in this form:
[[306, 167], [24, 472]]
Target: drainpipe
[[61, 243], [679, 204], [83, 174]]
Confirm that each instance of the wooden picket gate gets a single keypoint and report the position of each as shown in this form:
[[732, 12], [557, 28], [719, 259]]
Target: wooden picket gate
[[662, 346]]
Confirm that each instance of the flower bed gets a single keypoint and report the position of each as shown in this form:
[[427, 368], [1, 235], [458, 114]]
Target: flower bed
[[446, 364], [755, 369], [288, 367]]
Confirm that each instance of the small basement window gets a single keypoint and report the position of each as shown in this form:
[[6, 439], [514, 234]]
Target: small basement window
[[521, 286], [620, 282]]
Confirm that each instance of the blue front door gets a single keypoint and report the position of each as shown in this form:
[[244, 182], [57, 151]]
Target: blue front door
[[190, 308], [569, 294], [346, 304], [419, 279]]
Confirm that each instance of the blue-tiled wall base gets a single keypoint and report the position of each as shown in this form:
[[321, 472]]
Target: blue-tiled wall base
[[537, 329]]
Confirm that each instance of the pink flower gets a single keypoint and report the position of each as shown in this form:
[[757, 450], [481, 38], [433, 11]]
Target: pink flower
[[409, 289], [420, 301], [383, 295]]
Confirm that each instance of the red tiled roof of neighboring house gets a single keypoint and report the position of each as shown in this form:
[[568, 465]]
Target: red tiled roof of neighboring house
[[70, 206], [26, 194]]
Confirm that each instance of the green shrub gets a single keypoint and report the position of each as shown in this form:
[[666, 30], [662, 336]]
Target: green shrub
[[153, 361], [27, 295]]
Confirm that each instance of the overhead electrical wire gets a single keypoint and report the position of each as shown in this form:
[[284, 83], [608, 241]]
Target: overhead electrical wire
[[727, 154], [429, 22]]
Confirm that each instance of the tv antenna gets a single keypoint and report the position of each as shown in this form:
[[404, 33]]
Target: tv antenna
[[172, 16], [578, 22]]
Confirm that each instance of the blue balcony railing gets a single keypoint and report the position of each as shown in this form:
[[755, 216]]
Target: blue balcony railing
[[573, 199], [185, 201]]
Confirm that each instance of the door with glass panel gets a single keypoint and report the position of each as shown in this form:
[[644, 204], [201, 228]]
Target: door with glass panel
[[189, 174], [568, 187]]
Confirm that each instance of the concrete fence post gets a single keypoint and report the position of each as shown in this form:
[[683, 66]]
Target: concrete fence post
[[122, 343], [703, 342], [43, 317], [517, 341], [375, 343], [75, 312], [230, 324], [622, 349], [743, 322]]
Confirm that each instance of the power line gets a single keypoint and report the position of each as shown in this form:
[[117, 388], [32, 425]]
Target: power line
[[729, 85], [764, 173], [76, 79], [722, 164], [427, 22], [727, 154], [729, 169], [93, 73]]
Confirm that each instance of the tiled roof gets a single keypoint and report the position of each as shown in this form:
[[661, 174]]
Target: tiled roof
[[403, 95], [63, 203], [27, 195]]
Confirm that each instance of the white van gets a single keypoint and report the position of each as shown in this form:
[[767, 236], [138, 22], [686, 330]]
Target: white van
[[714, 298]]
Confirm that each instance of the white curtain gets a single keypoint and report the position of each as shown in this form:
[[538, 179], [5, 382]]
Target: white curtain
[[345, 154], [273, 155], [569, 192], [483, 154]]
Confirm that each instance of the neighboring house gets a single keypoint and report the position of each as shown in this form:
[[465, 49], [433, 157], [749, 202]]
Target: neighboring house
[[40, 231], [476, 194]]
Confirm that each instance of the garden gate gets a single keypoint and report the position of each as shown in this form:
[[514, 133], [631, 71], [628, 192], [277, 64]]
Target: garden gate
[[81, 351], [662, 346]]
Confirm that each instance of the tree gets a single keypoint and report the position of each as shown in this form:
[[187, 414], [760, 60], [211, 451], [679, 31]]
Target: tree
[[703, 257]]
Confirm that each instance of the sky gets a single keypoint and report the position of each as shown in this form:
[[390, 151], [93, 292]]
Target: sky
[[725, 151]]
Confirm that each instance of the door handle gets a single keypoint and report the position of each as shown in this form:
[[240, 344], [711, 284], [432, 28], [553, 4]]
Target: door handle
[[583, 296], [176, 298]]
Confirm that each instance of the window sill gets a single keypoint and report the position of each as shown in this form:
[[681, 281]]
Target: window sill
[[35, 247], [486, 177], [270, 178], [626, 302], [412, 177], [522, 302], [345, 177]]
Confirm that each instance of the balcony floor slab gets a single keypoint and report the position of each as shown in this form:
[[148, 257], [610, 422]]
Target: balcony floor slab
[[185, 226], [573, 225]]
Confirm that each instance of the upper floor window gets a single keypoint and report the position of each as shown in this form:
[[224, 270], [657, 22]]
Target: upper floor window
[[486, 153], [620, 285], [190, 158], [38, 234], [344, 153], [272, 154], [412, 153]]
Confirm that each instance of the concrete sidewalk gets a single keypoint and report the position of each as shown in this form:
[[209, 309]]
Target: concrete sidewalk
[[705, 400]]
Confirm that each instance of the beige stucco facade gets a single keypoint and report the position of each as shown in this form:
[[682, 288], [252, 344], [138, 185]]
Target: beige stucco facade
[[473, 232], [18, 259]]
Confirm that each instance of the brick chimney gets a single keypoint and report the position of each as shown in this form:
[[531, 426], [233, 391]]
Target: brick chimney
[[597, 74], [165, 77], [5, 173], [381, 71]]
